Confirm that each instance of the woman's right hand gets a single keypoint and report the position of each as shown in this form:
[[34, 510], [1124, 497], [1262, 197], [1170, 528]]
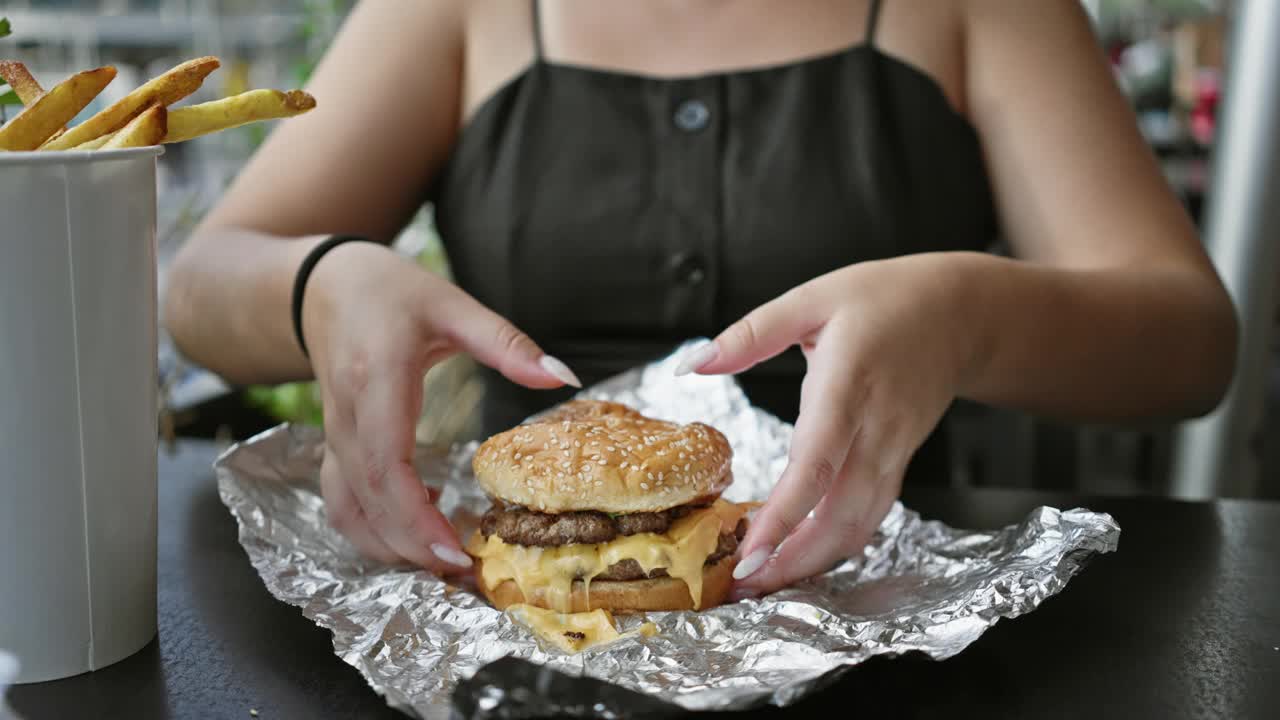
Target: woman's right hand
[[374, 323]]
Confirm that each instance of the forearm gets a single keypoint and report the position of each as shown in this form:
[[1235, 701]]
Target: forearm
[[1107, 345], [227, 304]]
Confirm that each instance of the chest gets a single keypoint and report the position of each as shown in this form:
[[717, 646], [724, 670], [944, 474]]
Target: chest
[[578, 200]]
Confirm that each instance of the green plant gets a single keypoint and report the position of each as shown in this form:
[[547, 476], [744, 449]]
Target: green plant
[[9, 97], [453, 386], [299, 402]]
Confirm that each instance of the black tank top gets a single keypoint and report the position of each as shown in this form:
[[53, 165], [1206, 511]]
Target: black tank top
[[613, 215]]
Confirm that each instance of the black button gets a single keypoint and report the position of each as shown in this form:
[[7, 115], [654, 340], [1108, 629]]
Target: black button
[[689, 268], [692, 115]]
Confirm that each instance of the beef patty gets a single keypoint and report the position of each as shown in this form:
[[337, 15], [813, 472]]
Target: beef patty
[[631, 570], [522, 526]]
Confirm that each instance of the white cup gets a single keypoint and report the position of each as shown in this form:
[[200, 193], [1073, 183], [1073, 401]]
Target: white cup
[[78, 402]]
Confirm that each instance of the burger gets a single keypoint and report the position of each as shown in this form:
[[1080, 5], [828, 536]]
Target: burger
[[596, 506]]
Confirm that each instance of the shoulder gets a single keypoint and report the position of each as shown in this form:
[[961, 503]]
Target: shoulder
[[411, 20], [1048, 12], [930, 36], [1013, 46], [1032, 28], [498, 40]]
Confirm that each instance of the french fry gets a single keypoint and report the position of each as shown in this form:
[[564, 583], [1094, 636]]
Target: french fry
[[164, 90], [193, 121], [196, 120], [19, 78], [24, 85], [148, 128], [51, 111], [96, 143]]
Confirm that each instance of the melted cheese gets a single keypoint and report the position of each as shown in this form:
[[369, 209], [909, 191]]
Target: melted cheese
[[681, 551], [574, 632]]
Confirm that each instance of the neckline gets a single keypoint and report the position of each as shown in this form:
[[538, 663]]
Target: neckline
[[796, 63], [540, 63], [632, 76]]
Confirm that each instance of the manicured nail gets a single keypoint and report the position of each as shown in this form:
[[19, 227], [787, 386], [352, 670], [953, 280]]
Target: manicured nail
[[559, 371], [696, 358], [750, 563], [451, 556]]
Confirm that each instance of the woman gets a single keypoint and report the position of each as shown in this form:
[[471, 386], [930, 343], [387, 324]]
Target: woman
[[613, 177]]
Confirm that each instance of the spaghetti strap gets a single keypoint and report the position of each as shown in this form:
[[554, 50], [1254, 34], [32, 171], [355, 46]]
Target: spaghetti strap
[[873, 16], [537, 31]]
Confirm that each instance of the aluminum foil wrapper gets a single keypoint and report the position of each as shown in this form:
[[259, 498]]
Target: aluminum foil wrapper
[[920, 585]]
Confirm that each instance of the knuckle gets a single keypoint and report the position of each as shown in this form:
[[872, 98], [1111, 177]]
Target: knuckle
[[892, 470], [352, 375], [417, 524], [374, 473], [817, 471], [511, 339], [743, 334], [381, 554], [823, 474], [890, 426], [804, 296], [334, 419], [377, 517], [342, 516], [848, 416], [862, 383], [849, 532], [782, 525]]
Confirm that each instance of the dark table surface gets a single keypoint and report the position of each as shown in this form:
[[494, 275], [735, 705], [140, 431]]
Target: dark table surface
[[1183, 621]]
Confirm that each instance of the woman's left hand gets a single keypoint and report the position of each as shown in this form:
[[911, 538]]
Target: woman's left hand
[[885, 359]]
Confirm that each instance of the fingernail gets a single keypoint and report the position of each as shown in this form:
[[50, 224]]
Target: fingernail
[[696, 358], [750, 563], [451, 556], [559, 371]]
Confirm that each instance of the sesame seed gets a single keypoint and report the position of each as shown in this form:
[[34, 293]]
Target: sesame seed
[[601, 461], [577, 443], [644, 486], [610, 448], [518, 456], [623, 466], [659, 476], [649, 475], [687, 466]]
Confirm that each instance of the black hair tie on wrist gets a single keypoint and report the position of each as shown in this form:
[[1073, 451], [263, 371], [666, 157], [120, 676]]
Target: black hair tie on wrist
[[304, 272]]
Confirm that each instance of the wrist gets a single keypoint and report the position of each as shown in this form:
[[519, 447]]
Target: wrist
[[964, 312], [325, 270]]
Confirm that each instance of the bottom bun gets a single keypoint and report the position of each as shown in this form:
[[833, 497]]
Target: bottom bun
[[627, 596]]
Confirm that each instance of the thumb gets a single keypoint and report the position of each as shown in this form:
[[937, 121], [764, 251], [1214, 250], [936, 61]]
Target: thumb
[[761, 334], [495, 342]]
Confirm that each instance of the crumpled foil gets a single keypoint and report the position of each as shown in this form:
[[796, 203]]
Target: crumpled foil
[[920, 585]]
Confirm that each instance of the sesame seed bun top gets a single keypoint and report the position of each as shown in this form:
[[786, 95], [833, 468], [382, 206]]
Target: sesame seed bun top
[[593, 455]]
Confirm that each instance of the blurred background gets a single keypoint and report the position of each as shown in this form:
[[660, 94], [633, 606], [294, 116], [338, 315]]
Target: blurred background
[[1168, 57]]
